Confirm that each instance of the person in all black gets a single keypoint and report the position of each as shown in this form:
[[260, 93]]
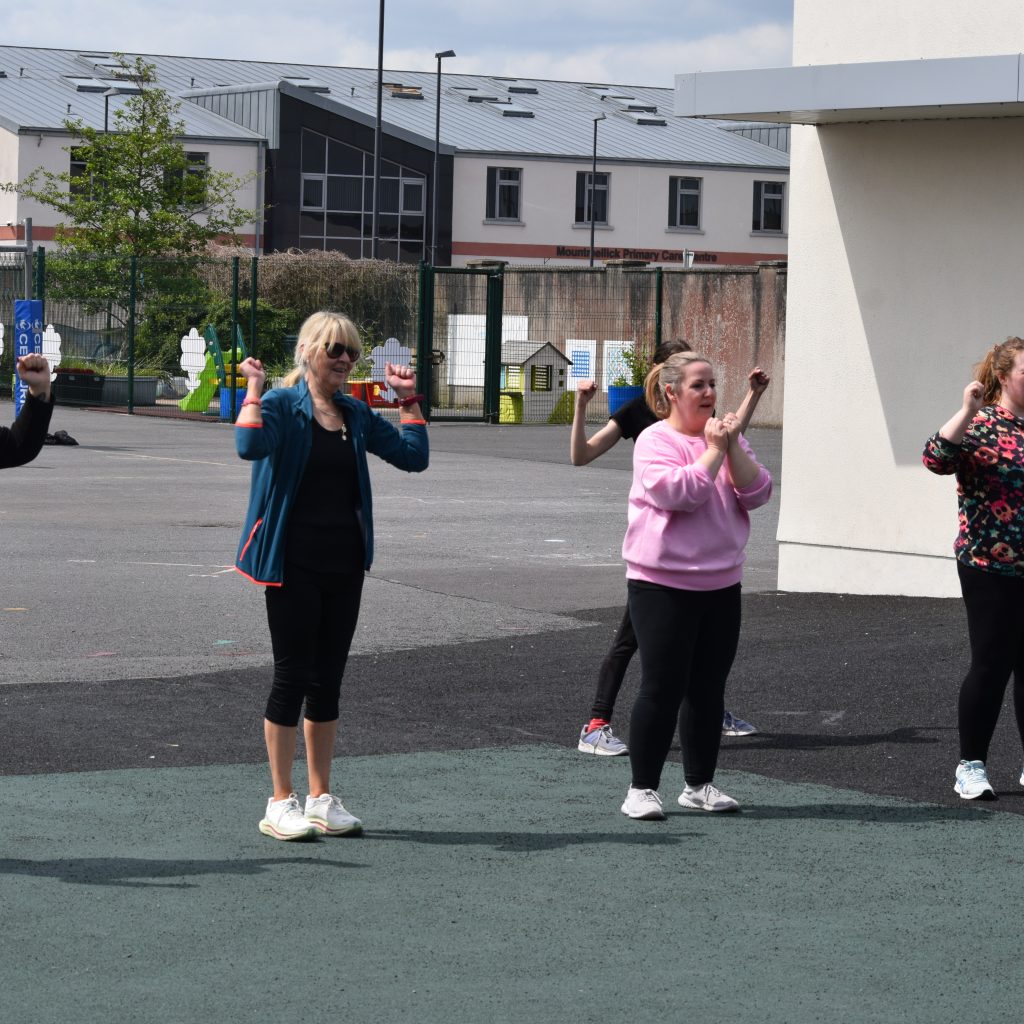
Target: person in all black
[[23, 440], [983, 444], [596, 736]]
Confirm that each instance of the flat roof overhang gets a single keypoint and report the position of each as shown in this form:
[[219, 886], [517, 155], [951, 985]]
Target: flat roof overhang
[[951, 87]]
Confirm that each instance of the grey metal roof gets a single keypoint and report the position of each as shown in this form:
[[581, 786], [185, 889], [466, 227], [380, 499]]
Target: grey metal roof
[[516, 353], [40, 101], [562, 125]]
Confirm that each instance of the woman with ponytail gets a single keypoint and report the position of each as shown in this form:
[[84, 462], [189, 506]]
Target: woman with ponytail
[[596, 736], [695, 479], [983, 445]]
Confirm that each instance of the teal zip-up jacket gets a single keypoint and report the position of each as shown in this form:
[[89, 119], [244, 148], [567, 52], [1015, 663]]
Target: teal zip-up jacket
[[279, 450]]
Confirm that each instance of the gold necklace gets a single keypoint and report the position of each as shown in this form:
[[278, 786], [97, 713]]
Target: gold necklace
[[333, 412]]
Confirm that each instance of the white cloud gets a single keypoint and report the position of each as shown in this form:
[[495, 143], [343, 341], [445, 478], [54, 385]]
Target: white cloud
[[600, 40]]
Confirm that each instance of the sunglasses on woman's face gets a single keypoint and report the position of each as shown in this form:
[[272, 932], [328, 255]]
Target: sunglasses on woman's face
[[335, 350]]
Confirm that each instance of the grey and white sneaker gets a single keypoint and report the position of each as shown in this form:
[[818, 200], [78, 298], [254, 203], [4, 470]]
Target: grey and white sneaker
[[1022, 776], [972, 781], [284, 820], [733, 725], [328, 816], [601, 741], [706, 798], [644, 804]]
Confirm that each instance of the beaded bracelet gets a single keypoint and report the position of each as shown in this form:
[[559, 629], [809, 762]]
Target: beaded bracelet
[[251, 401]]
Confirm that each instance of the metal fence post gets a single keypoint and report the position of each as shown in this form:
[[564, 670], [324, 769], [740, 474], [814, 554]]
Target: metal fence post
[[492, 345], [253, 268], [234, 337], [41, 275], [132, 283], [425, 336], [659, 293]]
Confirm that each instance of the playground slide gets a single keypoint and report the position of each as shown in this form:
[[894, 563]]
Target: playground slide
[[199, 400]]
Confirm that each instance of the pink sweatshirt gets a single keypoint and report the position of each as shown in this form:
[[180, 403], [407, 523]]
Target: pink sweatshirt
[[687, 530]]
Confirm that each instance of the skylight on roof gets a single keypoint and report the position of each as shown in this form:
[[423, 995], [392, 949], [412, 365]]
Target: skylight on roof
[[403, 92], [608, 92], [87, 84], [642, 118], [304, 82], [514, 110], [513, 85]]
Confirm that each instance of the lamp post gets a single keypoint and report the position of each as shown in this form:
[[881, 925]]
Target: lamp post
[[106, 107], [377, 131], [593, 187], [437, 149]]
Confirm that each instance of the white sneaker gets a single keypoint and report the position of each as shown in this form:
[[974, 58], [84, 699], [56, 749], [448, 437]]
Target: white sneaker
[[327, 815], [972, 781], [706, 798], [284, 820], [1022, 776], [643, 803]]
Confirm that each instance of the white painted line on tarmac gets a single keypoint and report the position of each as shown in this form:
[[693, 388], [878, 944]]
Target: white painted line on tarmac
[[238, 464]]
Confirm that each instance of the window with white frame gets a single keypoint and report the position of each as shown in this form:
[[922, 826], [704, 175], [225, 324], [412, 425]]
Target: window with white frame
[[192, 178], [313, 187], [769, 197], [592, 196], [503, 185], [684, 202], [80, 184]]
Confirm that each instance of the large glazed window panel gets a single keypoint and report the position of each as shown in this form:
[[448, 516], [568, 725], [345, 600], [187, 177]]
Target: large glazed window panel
[[312, 192], [769, 200], [344, 159], [314, 152], [344, 193], [592, 195]]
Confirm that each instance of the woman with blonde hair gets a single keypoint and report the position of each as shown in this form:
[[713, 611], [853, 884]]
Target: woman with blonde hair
[[983, 445], [695, 479], [308, 539]]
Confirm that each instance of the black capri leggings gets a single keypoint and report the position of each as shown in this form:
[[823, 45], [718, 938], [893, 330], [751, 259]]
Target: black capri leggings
[[995, 624], [312, 620], [687, 641]]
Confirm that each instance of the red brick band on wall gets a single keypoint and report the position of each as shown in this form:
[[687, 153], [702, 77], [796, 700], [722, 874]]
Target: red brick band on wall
[[604, 252]]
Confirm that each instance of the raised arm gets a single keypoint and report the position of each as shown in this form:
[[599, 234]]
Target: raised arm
[[953, 429], [581, 448], [759, 381]]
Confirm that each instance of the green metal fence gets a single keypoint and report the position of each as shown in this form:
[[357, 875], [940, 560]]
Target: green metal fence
[[493, 343]]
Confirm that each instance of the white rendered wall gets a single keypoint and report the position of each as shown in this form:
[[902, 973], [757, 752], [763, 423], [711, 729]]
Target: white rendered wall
[[49, 152], [906, 249], [637, 208]]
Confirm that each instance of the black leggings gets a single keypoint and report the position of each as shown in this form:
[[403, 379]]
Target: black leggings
[[995, 625], [613, 669], [312, 620], [688, 641]]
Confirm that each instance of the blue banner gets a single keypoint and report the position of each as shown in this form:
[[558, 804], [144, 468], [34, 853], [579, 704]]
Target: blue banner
[[28, 337]]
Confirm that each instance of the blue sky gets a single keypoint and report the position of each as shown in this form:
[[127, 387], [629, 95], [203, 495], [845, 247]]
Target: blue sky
[[643, 43]]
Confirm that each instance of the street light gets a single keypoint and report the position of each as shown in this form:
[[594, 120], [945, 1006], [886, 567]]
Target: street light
[[593, 187], [117, 90], [437, 148], [377, 136]]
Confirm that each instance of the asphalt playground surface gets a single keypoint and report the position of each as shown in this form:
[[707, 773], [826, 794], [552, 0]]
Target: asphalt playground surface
[[496, 880]]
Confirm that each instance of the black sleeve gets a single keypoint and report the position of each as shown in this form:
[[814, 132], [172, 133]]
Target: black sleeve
[[634, 417], [23, 441]]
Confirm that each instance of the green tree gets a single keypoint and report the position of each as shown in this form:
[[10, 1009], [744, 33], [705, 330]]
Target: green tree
[[129, 192]]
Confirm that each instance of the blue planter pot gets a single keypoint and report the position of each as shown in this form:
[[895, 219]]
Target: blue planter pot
[[618, 396]]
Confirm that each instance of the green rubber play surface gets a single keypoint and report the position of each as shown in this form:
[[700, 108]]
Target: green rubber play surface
[[495, 886]]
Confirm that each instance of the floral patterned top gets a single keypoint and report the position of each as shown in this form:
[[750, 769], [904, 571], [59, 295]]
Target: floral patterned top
[[989, 468]]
